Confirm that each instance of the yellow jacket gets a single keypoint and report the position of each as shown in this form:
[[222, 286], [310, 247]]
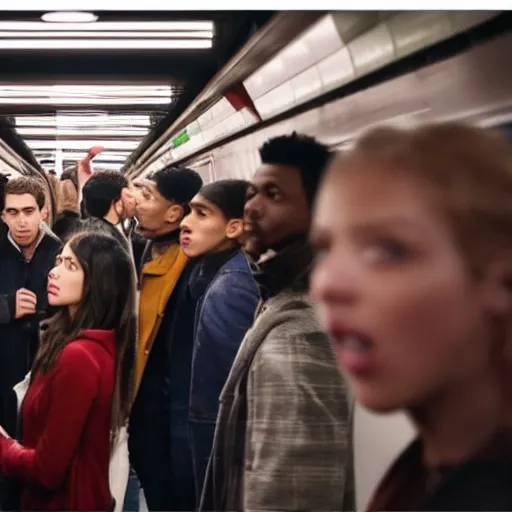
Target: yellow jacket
[[159, 277]]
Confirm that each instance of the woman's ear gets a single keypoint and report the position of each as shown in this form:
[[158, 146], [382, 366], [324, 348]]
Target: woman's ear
[[235, 229], [174, 214]]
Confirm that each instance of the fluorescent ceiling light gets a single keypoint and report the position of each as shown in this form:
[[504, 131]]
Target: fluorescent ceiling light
[[198, 34], [131, 26], [69, 17], [96, 5], [77, 158], [105, 44], [107, 165], [73, 121], [79, 154], [99, 132], [85, 101], [111, 158], [83, 90], [81, 144]]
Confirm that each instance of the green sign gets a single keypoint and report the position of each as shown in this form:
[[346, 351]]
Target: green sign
[[180, 139]]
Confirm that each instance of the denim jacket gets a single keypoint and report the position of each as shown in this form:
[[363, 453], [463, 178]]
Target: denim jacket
[[224, 314]]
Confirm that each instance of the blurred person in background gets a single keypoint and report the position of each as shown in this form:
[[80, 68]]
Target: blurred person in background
[[414, 284], [54, 182], [282, 439], [166, 313], [70, 207], [82, 381], [226, 297], [68, 217]]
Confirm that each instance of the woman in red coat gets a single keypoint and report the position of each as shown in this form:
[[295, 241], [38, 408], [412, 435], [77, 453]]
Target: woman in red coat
[[82, 381]]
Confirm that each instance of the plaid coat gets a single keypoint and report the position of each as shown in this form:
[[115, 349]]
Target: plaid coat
[[282, 440]]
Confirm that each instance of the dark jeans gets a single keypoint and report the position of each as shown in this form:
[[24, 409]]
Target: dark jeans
[[131, 499]]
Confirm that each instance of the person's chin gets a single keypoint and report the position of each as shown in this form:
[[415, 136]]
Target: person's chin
[[253, 247], [146, 233], [24, 242], [53, 300], [187, 252]]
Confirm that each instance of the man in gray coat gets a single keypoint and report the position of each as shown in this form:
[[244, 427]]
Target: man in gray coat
[[282, 440]]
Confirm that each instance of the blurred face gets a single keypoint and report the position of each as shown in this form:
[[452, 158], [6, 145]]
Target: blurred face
[[66, 280], [23, 217], [206, 230], [276, 208], [407, 320], [156, 215]]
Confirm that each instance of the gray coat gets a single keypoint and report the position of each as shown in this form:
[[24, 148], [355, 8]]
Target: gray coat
[[282, 440]]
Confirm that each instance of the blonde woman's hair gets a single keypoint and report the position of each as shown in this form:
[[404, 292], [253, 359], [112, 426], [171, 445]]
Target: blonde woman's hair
[[466, 171]]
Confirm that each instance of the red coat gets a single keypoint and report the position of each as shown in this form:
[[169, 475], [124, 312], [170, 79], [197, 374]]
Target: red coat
[[66, 414]]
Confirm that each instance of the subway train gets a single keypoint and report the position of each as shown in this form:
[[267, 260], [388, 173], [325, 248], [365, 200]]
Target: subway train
[[342, 74]]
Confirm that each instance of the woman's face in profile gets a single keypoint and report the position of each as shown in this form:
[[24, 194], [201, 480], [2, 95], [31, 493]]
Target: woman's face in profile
[[405, 316], [66, 280]]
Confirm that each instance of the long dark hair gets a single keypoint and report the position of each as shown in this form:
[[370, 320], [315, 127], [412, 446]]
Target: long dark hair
[[108, 302]]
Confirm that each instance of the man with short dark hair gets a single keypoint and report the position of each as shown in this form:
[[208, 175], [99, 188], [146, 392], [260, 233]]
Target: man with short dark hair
[[158, 433], [27, 253], [282, 436], [106, 196]]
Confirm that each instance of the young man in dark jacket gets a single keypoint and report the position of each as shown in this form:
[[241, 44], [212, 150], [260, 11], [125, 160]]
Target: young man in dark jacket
[[282, 437], [226, 296], [27, 253]]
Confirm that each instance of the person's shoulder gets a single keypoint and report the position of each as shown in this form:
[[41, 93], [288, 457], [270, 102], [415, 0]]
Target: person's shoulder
[[296, 310], [51, 240]]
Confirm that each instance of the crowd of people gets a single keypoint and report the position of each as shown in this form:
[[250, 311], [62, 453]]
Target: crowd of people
[[223, 330]]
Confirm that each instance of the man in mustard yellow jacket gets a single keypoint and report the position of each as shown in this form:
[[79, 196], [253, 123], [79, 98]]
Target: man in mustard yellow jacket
[[164, 314]]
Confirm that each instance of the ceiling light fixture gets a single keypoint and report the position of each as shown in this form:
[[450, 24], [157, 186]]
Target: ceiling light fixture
[[105, 44], [197, 34], [83, 101], [94, 5], [78, 91], [80, 144], [79, 154], [86, 132], [69, 17], [84, 120], [113, 26]]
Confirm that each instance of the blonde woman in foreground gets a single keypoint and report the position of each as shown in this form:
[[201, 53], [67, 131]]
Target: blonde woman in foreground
[[414, 284]]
